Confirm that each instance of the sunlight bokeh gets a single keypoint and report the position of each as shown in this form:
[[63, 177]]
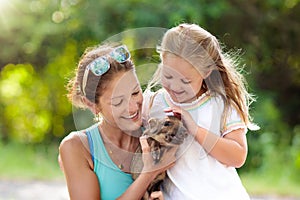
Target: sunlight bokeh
[[6, 7]]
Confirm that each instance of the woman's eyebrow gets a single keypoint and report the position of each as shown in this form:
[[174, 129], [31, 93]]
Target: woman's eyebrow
[[120, 96], [136, 87]]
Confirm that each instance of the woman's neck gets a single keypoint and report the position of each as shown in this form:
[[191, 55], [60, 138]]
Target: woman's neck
[[116, 136]]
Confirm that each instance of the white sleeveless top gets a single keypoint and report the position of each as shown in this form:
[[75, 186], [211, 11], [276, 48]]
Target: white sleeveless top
[[197, 175]]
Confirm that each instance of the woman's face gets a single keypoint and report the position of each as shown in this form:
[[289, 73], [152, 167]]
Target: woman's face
[[121, 102], [181, 80]]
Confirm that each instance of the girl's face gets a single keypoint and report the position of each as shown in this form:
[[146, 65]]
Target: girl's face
[[181, 80], [121, 102]]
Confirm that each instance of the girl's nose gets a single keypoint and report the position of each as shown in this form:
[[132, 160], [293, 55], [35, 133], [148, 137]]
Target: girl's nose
[[175, 86]]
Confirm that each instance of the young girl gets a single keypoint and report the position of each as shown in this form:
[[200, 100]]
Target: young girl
[[202, 86], [96, 161]]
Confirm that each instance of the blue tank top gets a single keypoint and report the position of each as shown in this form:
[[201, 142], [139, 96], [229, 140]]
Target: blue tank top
[[113, 182]]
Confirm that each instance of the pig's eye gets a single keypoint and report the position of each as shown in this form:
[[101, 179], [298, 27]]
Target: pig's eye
[[167, 138], [168, 123]]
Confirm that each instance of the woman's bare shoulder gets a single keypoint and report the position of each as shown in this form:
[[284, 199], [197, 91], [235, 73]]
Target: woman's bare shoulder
[[74, 141]]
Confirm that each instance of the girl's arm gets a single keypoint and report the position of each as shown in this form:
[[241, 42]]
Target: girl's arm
[[77, 165], [230, 150]]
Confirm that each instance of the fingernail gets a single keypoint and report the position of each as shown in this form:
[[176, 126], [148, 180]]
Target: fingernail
[[169, 114], [144, 137]]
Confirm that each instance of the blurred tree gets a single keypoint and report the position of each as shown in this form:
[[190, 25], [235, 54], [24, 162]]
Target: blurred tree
[[42, 41], [26, 107]]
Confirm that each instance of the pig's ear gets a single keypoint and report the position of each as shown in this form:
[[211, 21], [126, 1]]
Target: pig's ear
[[153, 123], [183, 131]]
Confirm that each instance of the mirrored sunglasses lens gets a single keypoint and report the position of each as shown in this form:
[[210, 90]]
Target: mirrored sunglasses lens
[[120, 54], [99, 66]]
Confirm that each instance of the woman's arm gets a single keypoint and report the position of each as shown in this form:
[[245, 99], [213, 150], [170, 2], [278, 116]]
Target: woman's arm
[[138, 188], [82, 182], [77, 165]]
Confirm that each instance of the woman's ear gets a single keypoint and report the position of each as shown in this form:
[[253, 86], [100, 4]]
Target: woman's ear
[[92, 106]]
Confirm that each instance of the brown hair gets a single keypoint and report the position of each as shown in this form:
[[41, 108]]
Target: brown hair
[[95, 84], [203, 51]]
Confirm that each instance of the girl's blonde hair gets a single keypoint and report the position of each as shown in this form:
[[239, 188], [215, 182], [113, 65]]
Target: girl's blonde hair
[[203, 51], [95, 85]]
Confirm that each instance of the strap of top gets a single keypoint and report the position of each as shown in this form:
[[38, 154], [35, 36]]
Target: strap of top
[[97, 148], [108, 174]]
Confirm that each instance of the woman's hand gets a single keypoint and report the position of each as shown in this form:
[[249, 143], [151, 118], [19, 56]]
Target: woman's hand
[[167, 161], [185, 117]]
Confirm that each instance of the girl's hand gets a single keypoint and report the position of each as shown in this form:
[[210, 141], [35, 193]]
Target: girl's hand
[[185, 117], [167, 161], [157, 195]]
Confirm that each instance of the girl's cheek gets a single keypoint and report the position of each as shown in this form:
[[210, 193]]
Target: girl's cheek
[[165, 83]]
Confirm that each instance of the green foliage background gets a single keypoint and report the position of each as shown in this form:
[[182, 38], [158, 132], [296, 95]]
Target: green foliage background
[[42, 40]]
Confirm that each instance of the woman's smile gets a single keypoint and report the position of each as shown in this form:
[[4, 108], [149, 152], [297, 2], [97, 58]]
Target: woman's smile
[[133, 116]]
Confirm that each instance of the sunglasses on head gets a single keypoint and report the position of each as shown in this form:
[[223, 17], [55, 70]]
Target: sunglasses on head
[[101, 65]]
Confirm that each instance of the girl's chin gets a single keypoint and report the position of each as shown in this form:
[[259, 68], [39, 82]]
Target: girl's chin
[[183, 99], [178, 99]]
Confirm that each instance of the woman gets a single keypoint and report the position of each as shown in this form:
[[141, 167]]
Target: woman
[[96, 161]]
